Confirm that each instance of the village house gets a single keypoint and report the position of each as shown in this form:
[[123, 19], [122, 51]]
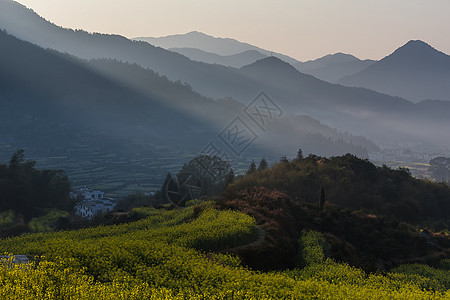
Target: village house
[[92, 203]]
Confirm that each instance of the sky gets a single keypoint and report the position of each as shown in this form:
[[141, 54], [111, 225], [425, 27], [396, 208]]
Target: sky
[[303, 29]]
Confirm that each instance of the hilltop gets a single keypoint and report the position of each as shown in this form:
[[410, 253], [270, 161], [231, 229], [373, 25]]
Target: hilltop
[[415, 71]]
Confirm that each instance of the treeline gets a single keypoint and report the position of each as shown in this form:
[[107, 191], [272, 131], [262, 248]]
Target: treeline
[[29, 191], [355, 183]]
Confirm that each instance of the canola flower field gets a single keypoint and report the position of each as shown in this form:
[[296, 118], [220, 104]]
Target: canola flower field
[[172, 255]]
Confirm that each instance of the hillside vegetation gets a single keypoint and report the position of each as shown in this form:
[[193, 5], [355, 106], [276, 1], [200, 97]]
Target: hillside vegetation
[[355, 183], [170, 255]]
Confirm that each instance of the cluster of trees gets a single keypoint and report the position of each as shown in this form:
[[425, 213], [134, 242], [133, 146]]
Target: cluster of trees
[[355, 183], [203, 175], [264, 165], [29, 191], [440, 169]]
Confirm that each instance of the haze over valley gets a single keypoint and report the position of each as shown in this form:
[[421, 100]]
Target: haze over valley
[[224, 150], [185, 89]]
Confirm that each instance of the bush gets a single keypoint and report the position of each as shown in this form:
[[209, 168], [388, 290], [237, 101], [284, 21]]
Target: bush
[[7, 219], [311, 248], [53, 220]]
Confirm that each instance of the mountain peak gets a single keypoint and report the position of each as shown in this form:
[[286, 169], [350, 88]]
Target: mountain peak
[[273, 65], [417, 43], [272, 61], [196, 33], [416, 49], [338, 57], [415, 71]]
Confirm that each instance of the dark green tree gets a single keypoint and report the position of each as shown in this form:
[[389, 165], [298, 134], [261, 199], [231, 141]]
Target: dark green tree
[[299, 155], [263, 164], [29, 191], [284, 159], [207, 172], [229, 179], [322, 198], [251, 168]]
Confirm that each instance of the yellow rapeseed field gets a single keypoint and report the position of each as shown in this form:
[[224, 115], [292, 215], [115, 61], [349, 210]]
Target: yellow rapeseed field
[[170, 255]]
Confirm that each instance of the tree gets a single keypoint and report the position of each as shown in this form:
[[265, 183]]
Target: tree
[[322, 198], [284, 159], [207, 172], [251, 168], [299, 155], [229, 179], [262, 164], [29, 191], [17, 159]]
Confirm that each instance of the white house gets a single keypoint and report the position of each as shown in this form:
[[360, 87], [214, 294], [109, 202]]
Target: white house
[[93, 203]]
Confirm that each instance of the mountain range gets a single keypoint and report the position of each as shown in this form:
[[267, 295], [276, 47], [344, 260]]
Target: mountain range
[[333, 67], [55, 100], [230, 52], [236, 60], [301, 97], [415, 71], [208, 43]]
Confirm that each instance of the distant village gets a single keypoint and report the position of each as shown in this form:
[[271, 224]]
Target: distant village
[[92, 203]]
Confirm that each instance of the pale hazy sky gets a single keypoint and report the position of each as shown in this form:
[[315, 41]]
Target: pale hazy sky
[[303, 29]]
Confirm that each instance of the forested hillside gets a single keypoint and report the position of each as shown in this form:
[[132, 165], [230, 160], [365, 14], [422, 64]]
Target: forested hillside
[[356, 183]]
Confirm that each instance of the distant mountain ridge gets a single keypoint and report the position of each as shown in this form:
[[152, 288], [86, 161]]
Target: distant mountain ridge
[[205, 48], [101, 99], [355, 110], [333, 67], [358, 110], [208, 43], [415, 71], [236, 60]]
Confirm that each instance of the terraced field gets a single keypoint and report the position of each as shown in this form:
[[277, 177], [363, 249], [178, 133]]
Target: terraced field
[[139, 168]]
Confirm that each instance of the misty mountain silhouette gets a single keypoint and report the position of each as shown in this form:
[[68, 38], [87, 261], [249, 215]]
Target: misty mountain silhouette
[[208, 43], [333, 67], [415, 71], [55, 101], [228, 52], [42, 87], [355, 110], [306, 89], [235, 60], [26, 25]]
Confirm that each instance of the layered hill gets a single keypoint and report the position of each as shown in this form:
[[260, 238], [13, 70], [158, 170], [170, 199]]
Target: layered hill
[[356, 110], [229, 52], [44, 87], [208, 43], [106, 119], [415, 71], [236, 60], [333, 67]]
